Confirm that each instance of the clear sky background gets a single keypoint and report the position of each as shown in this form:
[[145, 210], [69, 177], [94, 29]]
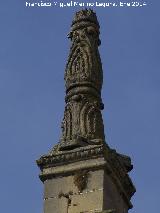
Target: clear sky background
[[33, 54]]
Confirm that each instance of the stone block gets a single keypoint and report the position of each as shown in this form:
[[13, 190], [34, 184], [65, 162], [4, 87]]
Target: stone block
[[53, 187], [112, 196], [86, 202], [95, 180], [54, 205]]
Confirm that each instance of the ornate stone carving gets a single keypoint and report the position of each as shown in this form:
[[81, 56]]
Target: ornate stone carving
[[82, 123], [82, 153]]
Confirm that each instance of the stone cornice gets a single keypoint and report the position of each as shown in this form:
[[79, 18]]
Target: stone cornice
[[65, 157]]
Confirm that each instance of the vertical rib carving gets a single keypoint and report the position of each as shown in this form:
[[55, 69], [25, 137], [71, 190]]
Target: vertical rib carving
[[67, 124], [91, 122], [83, 116]]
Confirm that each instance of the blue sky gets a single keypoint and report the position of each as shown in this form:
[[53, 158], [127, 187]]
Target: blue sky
[[33, 53]]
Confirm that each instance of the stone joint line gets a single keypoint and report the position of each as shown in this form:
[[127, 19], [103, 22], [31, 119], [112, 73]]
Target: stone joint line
[[86, 192]]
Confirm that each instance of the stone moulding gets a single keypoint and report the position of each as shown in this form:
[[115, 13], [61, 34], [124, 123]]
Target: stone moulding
[[70, 156]]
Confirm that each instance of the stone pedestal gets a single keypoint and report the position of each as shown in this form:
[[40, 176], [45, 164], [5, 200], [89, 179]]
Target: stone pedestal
[[86, 179]]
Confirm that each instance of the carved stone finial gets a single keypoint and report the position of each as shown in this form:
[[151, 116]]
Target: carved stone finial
[[82, 124], [86, 15]]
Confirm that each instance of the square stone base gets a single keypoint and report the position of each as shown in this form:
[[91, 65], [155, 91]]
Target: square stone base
[[62, 195]]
